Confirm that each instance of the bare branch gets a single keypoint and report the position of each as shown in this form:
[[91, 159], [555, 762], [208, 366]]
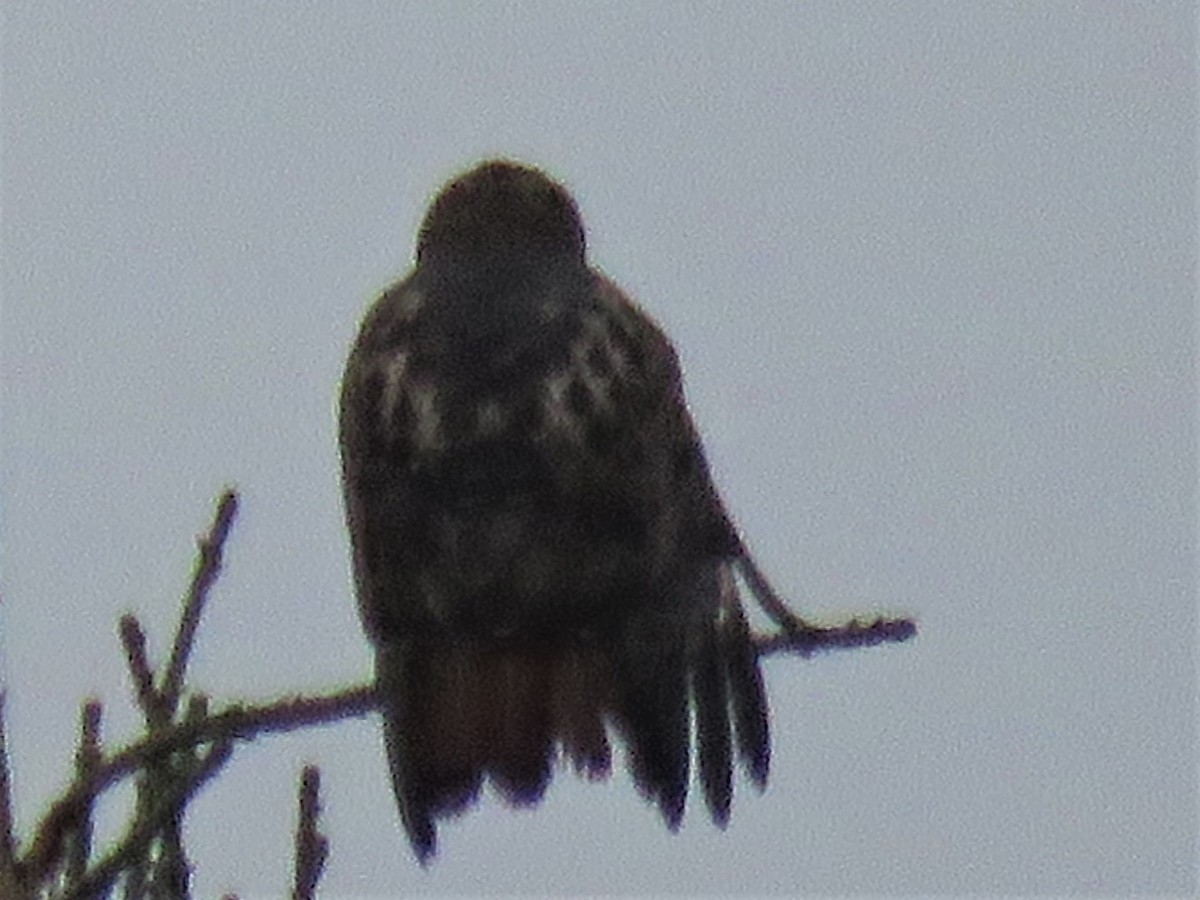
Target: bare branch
[[133, 639], [9, 881], [805, 639], [87, 757], [312, 847], [772, 604], [238, 723], [132, 846], [172, 871], [799, 636], [161, 866], [211, 549]]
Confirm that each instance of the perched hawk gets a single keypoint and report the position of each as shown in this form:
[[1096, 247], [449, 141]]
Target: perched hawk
[[540, 556]]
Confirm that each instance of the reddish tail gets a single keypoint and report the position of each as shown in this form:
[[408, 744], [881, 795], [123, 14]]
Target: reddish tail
[[459, 712]]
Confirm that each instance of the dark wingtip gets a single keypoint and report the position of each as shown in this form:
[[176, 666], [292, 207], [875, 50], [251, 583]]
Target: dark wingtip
[[592, 764], [422, 836], [524, 788], [759, 767], [754, 743], [672, 804], [652, 711], [720, 814], [751, 717], [710, 692], [662, 779]]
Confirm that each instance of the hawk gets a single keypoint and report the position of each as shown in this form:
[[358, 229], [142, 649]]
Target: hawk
[[541, 560]]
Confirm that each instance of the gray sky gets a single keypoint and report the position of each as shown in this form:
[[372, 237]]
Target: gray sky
[[931, 270]]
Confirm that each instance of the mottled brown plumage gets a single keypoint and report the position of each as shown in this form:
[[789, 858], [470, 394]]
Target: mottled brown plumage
[[540, 556]]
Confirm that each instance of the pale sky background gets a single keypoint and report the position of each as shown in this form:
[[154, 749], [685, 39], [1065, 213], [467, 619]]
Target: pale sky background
[[931, 269]]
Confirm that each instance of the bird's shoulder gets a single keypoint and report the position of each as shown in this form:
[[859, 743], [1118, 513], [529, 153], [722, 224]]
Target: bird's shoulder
[[590, 361]]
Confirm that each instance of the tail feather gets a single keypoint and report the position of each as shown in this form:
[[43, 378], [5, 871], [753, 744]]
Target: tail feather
[[750, 712], [520, 754], [581, 695], [458, 713], [711, 690], [395, 665], [727, 689], [449, 709], [653, 711]]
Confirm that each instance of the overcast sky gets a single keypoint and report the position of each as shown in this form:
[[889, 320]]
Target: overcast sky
[[931, 270]]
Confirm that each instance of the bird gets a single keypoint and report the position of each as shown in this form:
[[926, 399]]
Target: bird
[[543, 565]]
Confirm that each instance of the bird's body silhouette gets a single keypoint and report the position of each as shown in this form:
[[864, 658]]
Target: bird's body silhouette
[[541, 559]]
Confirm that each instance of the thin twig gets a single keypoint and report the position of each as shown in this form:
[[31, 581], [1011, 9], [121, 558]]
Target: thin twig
[[133, 639], [9, 882], [133, 845], [208, 564], [312, 847], [813, 639], [87, 757], [238, 723], [805, 638], [167, 871], [772, 604], [149, 700], [172, 871]]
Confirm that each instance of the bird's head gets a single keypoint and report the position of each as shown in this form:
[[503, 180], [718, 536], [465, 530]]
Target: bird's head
[[501, 208]]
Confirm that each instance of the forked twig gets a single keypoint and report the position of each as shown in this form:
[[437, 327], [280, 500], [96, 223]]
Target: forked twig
[[238, 723], [208, 565], [132, 847], [801, 637]]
